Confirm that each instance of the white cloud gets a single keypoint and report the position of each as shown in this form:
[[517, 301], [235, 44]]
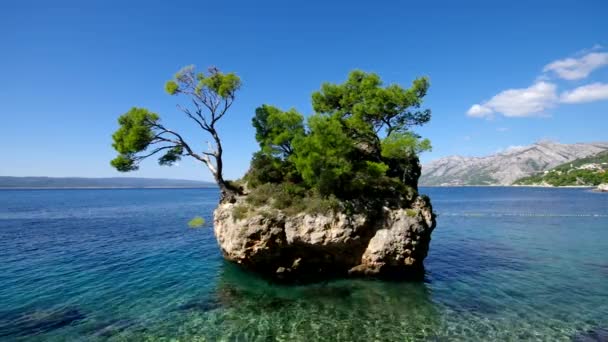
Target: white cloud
[[595, 47], [542, 94], [523, 102], [587, 93], [578, 68], [478, 111]]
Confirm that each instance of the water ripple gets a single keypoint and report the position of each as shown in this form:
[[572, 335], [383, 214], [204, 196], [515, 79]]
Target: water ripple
[[97, 265]]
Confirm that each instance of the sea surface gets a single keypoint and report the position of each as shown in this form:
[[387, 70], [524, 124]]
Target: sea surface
[[505, 264]]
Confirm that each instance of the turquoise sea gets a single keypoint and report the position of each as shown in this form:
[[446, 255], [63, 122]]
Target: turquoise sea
[[505, 264]]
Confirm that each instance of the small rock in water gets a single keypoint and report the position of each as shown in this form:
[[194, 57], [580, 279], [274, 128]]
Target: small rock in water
[[595, 335], [602, 187]]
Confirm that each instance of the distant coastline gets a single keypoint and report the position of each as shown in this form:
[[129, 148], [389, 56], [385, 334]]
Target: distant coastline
[[507, 186], [9, 182], [108, 188]]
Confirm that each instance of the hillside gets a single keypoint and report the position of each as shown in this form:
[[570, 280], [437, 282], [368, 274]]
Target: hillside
[[506, 167], [590, 171], [117, 182]]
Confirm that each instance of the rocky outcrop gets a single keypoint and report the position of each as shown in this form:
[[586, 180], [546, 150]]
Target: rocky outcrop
[[602, 187], [387, 243]]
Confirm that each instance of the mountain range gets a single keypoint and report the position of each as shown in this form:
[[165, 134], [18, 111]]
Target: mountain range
[[506, 167], [116, 182]]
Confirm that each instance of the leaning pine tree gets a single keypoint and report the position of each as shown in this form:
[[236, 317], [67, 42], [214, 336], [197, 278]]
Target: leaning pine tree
[[142, 135]]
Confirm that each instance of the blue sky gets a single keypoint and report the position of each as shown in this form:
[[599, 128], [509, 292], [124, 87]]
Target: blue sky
[[535, 69]]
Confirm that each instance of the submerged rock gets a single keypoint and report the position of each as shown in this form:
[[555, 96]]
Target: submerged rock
[[388, 243], [112, 328], [202, 305], [331, 292], [595, 335], [223, 297], [40, 321]]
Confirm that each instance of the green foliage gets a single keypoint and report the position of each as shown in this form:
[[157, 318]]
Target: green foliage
[[240, 212], [570, 174], [279, 196], [399, 145], [411, 212], [124, 163], [275, 130], [287, 195], [321, 205], [171, 87], [223, 84], [322, 156], [400, 150], [134, 135], [135, 132], [238, 184], [355, 153], [268, 214], [196, 222], [366, 106], [171, 156], [562, 178], [599, 158], [262, 194], [265, 169], [214, 82], [291, 198], [375, 169]]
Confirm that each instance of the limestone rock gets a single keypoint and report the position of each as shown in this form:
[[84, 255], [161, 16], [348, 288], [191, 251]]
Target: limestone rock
[[602, 187], [392, 242]]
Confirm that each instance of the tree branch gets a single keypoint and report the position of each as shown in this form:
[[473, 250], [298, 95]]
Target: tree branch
[[187, 112], [156, 150]]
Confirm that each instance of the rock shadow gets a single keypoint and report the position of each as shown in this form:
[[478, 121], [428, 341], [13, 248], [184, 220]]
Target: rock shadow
[[37, 321], [114, 327], [594, 335]]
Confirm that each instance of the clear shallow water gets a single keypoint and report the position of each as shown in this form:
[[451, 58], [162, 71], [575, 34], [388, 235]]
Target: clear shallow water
[[504, 264]]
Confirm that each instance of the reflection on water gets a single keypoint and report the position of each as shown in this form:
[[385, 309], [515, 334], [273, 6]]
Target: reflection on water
[[242, 306], [78, 266]]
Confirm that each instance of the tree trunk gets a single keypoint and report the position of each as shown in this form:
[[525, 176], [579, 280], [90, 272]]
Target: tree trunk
[[228, 192]]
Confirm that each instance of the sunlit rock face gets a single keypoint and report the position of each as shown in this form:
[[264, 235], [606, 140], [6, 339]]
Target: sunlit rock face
[[305, 247]]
